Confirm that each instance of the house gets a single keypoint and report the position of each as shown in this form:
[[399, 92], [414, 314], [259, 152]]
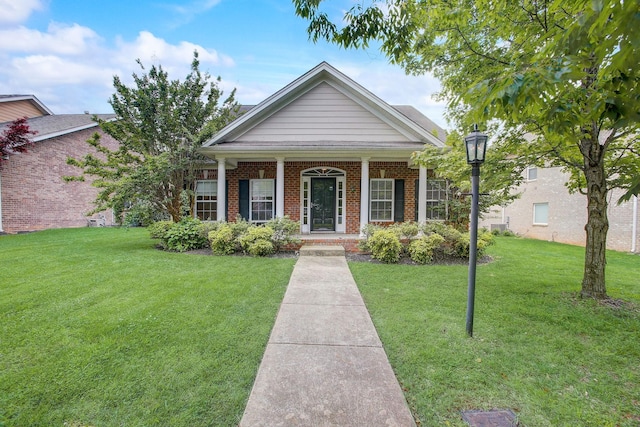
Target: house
[[33, 195], [324, 151], [546, 211]]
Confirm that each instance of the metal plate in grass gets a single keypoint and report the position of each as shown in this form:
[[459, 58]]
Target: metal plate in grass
[[493, 418]]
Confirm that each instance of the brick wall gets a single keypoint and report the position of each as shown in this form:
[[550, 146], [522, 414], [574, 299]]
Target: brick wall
[[293, 171], [567, 213], [34, 195]]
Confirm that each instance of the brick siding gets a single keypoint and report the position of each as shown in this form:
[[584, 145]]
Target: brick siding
[[34, 195]]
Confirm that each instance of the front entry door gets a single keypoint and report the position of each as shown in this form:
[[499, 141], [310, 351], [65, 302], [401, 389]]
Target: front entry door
[[323, 204]]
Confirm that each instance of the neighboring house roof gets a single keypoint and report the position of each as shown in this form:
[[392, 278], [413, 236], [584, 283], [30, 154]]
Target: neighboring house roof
[[60, 124], [31, 98], [402, 129]]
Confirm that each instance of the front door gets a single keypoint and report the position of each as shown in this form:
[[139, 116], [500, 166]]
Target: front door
[[323, 204]]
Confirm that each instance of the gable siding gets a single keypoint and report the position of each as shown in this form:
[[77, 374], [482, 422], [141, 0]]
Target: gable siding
[[12, 110], [323, 114]]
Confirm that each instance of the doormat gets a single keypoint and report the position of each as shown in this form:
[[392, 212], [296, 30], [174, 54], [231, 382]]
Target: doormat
[[493, 418]]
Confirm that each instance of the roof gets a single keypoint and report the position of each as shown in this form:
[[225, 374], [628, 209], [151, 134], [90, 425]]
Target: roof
[[35, 101], [405, 119], [60, 124]]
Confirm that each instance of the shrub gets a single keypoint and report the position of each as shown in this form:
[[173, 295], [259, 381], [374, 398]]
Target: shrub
[[252, 241], [409, 229], [185, 235], [283, 231], [367, 231], [222, 240], [158, 229], [421, 250], [385, 246], [240, 227]]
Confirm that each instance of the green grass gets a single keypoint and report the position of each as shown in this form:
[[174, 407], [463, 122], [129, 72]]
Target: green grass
[[99, 328], [553, 359]]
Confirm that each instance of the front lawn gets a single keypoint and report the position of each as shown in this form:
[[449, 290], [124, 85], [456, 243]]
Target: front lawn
[[554, 360], [98, 328]]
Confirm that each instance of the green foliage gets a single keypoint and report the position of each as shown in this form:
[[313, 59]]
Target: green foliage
[[257, 241], [160, 124], [367, 231], [185, 235], [385, 246], [222, 240], [284, 230], [158, 229], [421, 250], [406, 230], [554, 83], [141, 214]]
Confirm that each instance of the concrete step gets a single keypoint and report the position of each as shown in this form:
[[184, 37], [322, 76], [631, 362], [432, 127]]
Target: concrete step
[[322, 250]]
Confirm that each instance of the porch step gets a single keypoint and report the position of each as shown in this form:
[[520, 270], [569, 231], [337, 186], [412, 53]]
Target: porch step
[[322, 250]]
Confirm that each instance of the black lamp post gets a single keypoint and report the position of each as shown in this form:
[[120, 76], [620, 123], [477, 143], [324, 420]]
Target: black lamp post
[[476, 145]]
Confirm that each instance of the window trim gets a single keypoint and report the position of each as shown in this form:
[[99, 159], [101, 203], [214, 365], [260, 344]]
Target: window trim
[[252, 201], [214, 201], [391, 201], [534, 213]]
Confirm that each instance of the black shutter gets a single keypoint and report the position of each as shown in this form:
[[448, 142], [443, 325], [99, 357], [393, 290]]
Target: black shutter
[[416, 204], [398, 202], [243, 198], [226, 200]]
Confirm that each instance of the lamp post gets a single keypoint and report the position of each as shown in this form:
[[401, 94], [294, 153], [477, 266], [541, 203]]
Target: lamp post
[[476, 146]]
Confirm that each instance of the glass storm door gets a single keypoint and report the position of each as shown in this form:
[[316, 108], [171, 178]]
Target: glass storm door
[[323, 204]]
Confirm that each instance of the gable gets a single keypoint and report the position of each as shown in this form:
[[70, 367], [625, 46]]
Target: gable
[[323, 113]]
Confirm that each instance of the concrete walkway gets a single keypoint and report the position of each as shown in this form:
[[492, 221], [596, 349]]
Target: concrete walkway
[[324, 364]]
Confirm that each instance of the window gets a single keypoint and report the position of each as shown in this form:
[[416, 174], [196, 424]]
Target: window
[[206, 208], [262, 192], [532, 173], [541, 213], [381, 208], [436, 199]]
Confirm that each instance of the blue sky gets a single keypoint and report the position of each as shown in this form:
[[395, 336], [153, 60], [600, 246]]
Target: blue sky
[[66, 52]]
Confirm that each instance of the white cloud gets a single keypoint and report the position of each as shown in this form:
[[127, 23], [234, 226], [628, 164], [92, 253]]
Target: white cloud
[[151, 49], [59, 39], [16, 11], [53, 70]]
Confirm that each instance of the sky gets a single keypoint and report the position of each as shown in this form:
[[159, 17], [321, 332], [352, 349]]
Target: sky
[[66, 52]]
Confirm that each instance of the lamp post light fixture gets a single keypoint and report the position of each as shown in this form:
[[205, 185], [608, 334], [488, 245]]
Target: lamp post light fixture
[[476, 146]]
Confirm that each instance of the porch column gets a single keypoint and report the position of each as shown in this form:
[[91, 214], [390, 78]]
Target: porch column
[[364, 194], [222, 187], [280, 187], [422, 195]]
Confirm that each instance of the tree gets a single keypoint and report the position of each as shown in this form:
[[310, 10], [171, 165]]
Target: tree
[[15, 138], [564, 73], [160, 124]]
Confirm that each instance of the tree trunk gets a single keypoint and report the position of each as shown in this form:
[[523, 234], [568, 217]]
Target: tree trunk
[[593, 282]]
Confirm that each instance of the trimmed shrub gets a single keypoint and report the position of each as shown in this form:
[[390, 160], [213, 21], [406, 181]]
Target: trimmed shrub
[[240, 227], [283, 231], [421, 250], [385, 246], [252, 241], [368, 230], [158, 229], [185, 235], [222, 240]]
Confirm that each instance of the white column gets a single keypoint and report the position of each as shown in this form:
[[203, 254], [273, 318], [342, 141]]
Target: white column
[[364, 194], [280, 187], [422, 195], [222, 187]]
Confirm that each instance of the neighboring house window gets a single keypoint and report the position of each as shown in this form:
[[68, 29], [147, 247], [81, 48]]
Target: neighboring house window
[[381, 193], [262, 196], [541, 213], [532, 173], [206, 207], [436, 199]]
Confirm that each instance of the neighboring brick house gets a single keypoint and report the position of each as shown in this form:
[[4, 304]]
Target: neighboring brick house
[[33, 195], [326, 152], [546, 211]]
